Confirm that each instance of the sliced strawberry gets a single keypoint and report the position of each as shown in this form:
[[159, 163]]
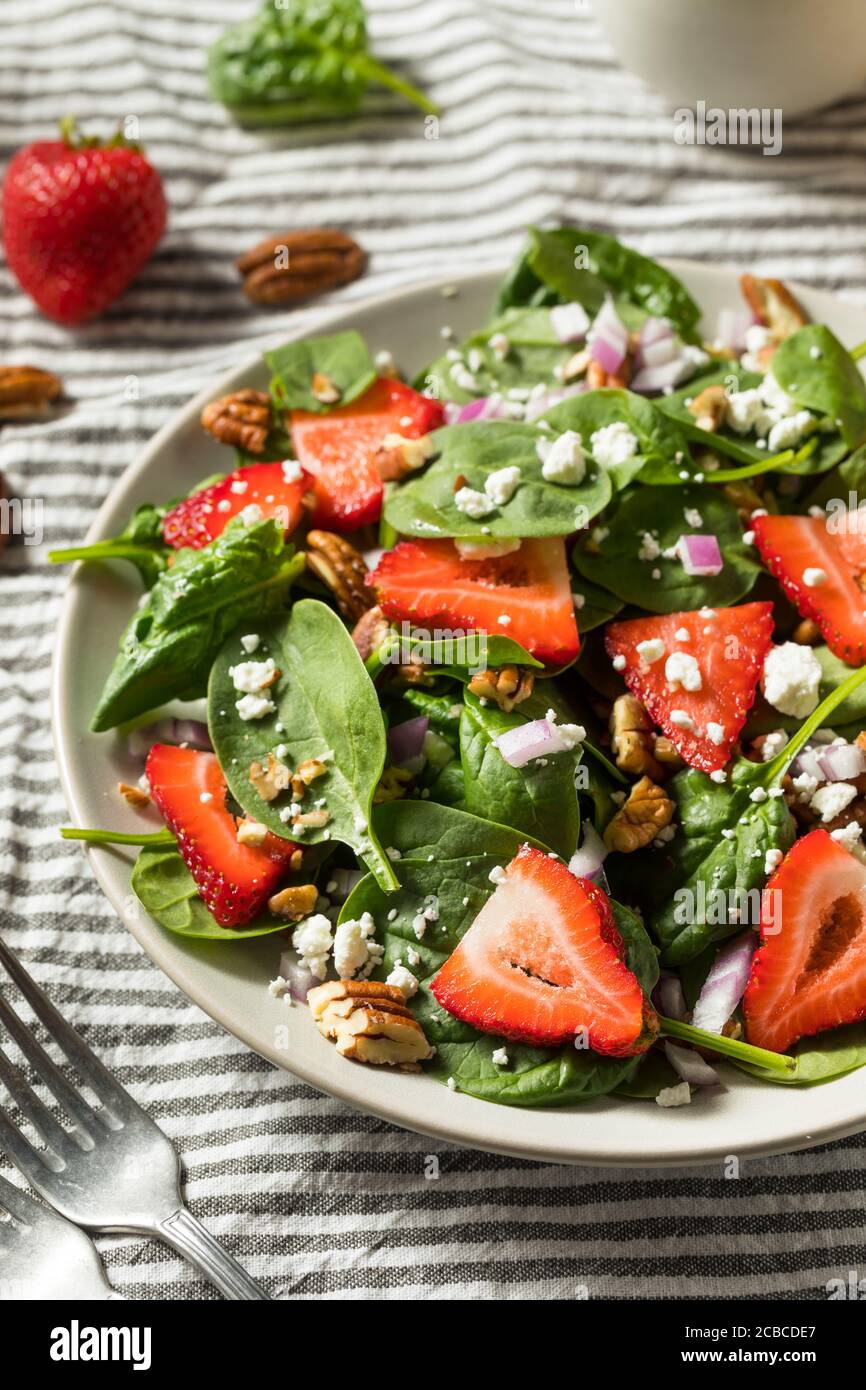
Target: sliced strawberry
[[273, 487], [234, 880], [540, 964], [729, 646], [338, 448], [428, 583], [809, 972], [790, 546]]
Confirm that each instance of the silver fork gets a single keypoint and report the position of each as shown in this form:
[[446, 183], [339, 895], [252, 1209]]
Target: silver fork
[[113, 1169], [43, 1257]]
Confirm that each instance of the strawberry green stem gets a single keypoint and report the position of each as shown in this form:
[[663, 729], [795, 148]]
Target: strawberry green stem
[[727, 1047], [103, 550], [114, 837], [776, 768]]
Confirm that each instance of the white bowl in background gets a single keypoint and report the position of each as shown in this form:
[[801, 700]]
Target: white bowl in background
[[796, 55]]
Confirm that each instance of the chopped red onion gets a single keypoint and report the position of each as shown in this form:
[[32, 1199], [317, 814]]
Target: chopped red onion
[[807, 761], [731, 328], [537, 739], [668, 995], [608, 338], [654, 330], [587, 861], [299, 977], [663, 376], [569, 322], [345, 880], [690, 1065], [842, 762], [406, 741], [192, 732], [723, 988], [700, 555], [657, 354]]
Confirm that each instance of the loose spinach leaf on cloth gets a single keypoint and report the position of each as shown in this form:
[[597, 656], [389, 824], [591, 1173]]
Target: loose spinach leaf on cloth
[[297, 61], [425, 505], [140, 542], [448, 854], [825, 448], [342, 357], [821, 375], [169, 645], [575, 264], [663, 449], [659, 513], [718, 853], [539, 799], [327, 708], [533, 356], [165, 887]]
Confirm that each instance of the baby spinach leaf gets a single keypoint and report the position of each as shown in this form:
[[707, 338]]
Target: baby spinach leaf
[[818, 373], [824, 451], [448, 854], [660, 513], [539, 798], [456, 656], [297, 61], [844, 489], [663, 449], [654, 1073], [443, 711], [821, 1058], [533, 356], [325, 707], [582, 266], [425, 505], [598, 607], [168, 647], [165, 887], [140, 542], [342, 357]]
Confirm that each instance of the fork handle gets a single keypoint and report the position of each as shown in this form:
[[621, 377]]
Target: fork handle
[[191, 1239]]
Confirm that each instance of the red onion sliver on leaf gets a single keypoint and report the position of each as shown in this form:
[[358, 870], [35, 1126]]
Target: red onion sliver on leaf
[[299, 977], [724, 986], [586, 862], [537, 739], [842, 762], [668, 996], [700, 555], [406, 741], [570, 322]]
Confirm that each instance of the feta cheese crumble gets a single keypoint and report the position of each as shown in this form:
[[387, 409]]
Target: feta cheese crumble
[[562, 459], [312, 939], [681, 669], [404, 980], [613, 444], [831, 799], [473, 503], [501, 485], [791, 679], [651, 650], [354, 951], [252, 676]]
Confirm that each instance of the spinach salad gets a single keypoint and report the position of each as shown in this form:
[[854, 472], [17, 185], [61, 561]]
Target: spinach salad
[[531, 694]]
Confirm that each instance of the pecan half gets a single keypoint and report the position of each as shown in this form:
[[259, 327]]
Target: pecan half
[[774, 305], [270, 779], [637, 823], [294, 903], [370, 631], [241, 419], [25, 392], [398, 456], [392, 785], [288, 268], [342, 569], [507, 685], [710, 407], [631, 738], [369, 1022]]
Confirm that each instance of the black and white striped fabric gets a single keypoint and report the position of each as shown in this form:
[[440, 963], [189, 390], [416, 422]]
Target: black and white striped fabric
[[539, 123]]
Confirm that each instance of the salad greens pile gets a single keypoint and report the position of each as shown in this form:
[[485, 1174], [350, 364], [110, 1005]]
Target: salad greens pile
[[433, 825]]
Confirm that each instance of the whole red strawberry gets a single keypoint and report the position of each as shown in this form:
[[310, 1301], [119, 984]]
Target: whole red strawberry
[[80, 218]]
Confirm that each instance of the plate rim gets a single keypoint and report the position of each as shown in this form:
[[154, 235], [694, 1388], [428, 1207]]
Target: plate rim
[[150, 936]]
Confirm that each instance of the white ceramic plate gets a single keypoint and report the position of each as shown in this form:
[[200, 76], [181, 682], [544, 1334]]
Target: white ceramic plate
[[229, 981]]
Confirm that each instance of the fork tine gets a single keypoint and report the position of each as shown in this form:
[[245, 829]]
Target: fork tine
[[73, 1103], [22, 1153], [32, 1109], [109, 1090], [17, 1202]]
